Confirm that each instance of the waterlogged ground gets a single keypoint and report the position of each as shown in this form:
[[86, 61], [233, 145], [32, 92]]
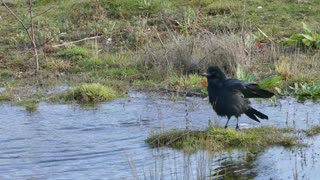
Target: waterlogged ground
[[107, 141]]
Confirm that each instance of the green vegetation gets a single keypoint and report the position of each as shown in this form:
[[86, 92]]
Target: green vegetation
[[220, 139], [31, 105], [91, 93], [313, 131], [189, 82], [302, 91], [5, 97], [74, 53], [310, 39], [156, 44]]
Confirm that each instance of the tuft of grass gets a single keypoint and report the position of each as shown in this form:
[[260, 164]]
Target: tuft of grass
[[5, 97], [271, 82], [118, 73], [57, 64], [31, 105], [74, 53], [190, 82], [314, 130], [219, 138], [6, 93], [286, 68], [91, 93]]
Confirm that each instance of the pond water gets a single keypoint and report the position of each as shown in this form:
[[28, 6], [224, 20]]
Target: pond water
[[61, 141]]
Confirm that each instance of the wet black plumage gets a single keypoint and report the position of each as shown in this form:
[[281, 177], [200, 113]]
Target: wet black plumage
[[228, 97]]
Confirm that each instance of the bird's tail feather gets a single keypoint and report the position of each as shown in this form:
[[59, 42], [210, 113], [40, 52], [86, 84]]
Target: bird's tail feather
[[264, 93], [258, 92], [253, 113]]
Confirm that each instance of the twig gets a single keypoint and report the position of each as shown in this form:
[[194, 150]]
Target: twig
[[164, 47], [73, 42], [264, 34], [43, 12], [20, 21], [161, 41], [32, 37]]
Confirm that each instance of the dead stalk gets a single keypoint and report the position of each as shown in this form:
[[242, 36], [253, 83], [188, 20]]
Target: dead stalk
[[34, 45], [31, 35]]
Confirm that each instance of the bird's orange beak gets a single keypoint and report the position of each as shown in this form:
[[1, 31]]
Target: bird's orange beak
[[204, 82]]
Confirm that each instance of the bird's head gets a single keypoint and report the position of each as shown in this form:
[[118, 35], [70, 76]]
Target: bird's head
[[214, 72]]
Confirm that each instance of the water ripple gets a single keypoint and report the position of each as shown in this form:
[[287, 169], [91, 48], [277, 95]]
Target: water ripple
[[62, 141]]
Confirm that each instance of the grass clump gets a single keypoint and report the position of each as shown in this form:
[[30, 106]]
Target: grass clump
[[74, 53], [118, 73], [31, 105], [219, 138], [5, 97], [314, 130], [190, 82], [91, 93]]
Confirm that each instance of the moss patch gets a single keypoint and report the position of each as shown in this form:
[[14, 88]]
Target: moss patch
[[219, 138]]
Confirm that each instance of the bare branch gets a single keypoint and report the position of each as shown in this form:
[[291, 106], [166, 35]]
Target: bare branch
[[32, 37], [16, 16], [73, 42]]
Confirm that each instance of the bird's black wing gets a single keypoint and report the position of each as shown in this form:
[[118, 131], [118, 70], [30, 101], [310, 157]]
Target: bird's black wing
[[249, 90]]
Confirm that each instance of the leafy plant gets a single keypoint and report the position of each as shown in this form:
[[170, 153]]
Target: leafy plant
[[148, 5], [305, 90], [307, 39], [244, 74]]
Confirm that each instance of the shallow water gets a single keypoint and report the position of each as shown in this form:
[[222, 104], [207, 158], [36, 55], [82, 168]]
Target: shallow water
[[107, 141]]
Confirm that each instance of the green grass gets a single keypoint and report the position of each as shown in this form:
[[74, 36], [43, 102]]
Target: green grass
[[188, 82], [160, 44], [313, 131], [74, 53], [5, 97], [31, 105], [220, 139], [92, 93]]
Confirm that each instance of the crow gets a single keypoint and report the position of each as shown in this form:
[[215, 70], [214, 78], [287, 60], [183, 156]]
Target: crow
[[228, 97]]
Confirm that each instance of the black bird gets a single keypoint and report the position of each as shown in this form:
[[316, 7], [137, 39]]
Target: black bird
[[228, 96]]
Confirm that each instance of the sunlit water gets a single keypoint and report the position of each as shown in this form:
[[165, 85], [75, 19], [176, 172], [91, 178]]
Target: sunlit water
[[107, 141]]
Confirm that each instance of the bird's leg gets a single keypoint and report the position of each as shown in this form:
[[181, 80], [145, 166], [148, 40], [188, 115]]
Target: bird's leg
[[237, 127], [227, 123]]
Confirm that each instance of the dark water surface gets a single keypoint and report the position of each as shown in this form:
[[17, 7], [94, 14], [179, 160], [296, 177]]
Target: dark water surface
[[107, 141]]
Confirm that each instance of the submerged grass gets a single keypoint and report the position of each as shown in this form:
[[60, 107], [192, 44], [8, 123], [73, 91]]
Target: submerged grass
[[219, 138], [314, 130], [31, 105]]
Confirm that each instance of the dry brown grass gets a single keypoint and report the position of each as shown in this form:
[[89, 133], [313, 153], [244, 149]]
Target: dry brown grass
[[189, 54], [298, 67]]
